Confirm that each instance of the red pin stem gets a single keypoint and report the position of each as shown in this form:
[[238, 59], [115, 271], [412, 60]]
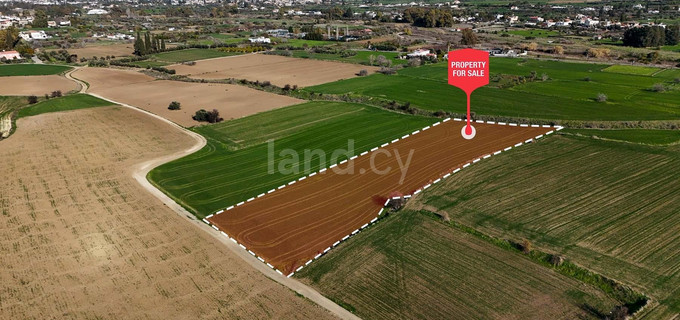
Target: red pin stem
[[468, 70]]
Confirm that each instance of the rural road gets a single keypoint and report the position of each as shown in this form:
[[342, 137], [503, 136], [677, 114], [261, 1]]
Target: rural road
[[140, 172]]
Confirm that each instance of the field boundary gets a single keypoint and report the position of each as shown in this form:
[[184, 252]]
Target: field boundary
[[422, 188]]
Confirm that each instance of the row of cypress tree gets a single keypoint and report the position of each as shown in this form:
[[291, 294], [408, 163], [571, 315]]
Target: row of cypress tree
[[150, 44]]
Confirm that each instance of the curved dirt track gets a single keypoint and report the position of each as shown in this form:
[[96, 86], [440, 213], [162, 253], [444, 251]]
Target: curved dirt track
[[140, 172], [290, 227]]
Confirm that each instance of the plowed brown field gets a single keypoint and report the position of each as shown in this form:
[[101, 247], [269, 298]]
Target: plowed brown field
[[142, 91], [278, 70], [117, 50], [81, 239], [35, 85], [291, 226]]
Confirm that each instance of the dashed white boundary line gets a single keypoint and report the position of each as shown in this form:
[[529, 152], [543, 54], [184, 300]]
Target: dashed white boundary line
[[374, 220]]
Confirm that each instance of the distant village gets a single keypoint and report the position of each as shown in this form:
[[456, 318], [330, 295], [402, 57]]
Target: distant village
[[119, 21]]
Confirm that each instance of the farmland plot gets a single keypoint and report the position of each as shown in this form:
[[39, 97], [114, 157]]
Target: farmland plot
[[31, 70], [410, 266], [139, 90], [233, 166], [575, 85], [276, 69], [609, 206], [79, 238], [35, 85], [288, 227]]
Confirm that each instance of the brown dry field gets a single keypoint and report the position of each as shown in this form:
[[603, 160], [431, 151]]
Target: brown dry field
[[103, 50], [278, 70], [290, 226], [142, 91], [35, 85], [80, 238]]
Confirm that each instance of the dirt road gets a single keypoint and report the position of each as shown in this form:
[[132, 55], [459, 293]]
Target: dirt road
[[140, 171]]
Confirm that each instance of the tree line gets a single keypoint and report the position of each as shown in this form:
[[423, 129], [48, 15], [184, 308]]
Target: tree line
[[150, 44], [429, 17], [649, 36]]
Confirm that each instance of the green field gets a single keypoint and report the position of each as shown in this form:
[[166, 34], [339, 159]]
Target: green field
[[302, 42], [675, 48], [569, 94], [608, 206], [642, 136], [361, 57], [227, 38], [411, 266], [538, 33], [233, 166], [172, 57], [69, 102], [638, 70], [10, 104], [31, 69]]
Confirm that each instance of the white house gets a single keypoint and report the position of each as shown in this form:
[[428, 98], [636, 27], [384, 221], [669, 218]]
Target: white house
[[33, 35], [419, 53], [5, 23], [280, 33], [10, 55], [260, 40], [97, 12]]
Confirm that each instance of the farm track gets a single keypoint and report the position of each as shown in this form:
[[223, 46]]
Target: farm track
[[140, 173], [291, 226]]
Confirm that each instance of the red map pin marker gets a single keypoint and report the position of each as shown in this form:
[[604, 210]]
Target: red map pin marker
[[468, 70]]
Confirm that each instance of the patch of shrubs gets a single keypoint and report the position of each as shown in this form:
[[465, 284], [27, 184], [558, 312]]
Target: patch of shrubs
[[174, 106], [208, 116], [388, 70], [163, 69], [601, 97], [98, 63], [658, 87]]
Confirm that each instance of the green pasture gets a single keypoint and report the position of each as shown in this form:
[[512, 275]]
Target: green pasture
[[31, 70], [570, 93], [69, 102], [609, 206], [234, 165]]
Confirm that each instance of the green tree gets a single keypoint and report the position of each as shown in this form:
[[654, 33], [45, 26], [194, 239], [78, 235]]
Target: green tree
[[348, 14], [9, 38], [40, 19], [147, 43], [673, 35], [644, 37], [140, 50], [469, 37], [335, 13], [175, 106], [163, 44]]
